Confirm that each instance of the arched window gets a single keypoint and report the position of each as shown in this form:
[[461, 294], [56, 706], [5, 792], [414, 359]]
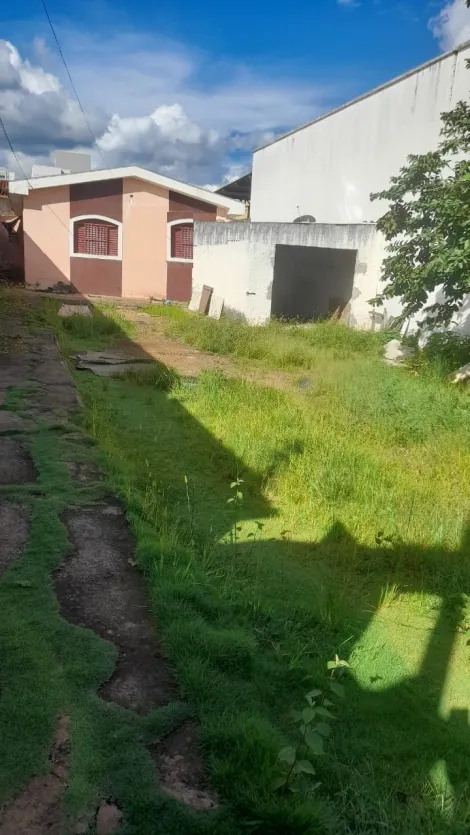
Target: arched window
[[96, 237], [180, 240]]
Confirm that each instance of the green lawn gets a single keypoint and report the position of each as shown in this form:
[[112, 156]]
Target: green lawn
[[349, 538]]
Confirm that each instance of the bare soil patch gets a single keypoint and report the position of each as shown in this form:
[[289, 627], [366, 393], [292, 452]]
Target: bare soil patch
[[151, 341], [14, 529], [181, 769], [16, 465], [37, 810], [98, 587]]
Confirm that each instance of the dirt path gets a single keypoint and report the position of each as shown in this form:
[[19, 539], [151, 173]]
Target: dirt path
[[151, 340], [97, 672]]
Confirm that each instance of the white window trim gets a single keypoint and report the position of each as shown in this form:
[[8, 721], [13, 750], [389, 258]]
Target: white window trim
[[171, 223], [73, 221]]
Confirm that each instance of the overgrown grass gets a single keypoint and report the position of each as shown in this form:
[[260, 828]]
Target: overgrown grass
[[166, 311], [280, 345], [361, 486]]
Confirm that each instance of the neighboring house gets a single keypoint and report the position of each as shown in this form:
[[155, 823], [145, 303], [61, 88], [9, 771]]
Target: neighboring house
[[281, 265], [115, 232]]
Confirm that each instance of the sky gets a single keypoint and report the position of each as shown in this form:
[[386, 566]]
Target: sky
[[189, 89]]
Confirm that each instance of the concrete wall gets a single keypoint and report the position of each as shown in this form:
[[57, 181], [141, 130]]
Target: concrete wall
[[329, 168], [144, 267], [46, 218], [237, 260]]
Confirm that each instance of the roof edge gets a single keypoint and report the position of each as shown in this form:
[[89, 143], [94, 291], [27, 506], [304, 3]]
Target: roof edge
[[197, 192], [396, 80]]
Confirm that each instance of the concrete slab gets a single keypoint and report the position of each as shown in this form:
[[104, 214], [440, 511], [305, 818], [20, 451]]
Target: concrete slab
[[195, 301], [52, 372], [14, 529], [11, 422], [99, 588], [16, 465], [216, 307]]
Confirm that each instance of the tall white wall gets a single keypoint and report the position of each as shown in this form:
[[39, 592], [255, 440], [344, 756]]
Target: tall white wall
[[329, 168], [237, 260]]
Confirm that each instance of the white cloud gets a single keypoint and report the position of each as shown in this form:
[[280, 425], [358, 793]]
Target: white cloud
[[348, 3], [451, 26], [149, 102]]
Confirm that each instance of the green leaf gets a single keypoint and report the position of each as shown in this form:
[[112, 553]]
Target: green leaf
[[323, 711], [308, 715], [287, 755], [296, 715], [304, 766], [331, 665], [337, 689], [314, 694], [314, 741], [233, 484], [279, 782], [323, 728]]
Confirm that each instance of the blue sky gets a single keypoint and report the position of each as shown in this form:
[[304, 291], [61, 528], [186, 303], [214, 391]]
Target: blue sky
[[190, 88]]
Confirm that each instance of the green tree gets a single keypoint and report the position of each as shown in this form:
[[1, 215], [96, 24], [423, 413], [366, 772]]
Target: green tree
[[427, 224]]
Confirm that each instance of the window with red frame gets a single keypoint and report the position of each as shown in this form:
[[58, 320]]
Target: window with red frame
[[182, 241], [96, 237]]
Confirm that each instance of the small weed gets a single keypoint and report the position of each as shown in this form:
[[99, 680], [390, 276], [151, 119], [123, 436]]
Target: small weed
[[297, 771]]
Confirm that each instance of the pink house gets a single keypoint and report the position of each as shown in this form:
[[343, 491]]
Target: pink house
[[115, 232]]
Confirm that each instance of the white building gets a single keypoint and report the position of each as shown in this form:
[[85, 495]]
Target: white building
[[328, 169]]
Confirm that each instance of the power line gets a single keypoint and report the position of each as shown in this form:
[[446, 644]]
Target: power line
[[2, 125], [71, 82]]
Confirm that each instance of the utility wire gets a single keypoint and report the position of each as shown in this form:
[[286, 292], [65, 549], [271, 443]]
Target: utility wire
[[2, 125], [71, 81]]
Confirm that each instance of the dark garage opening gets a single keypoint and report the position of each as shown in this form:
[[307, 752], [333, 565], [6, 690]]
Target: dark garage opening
[[311, 282]]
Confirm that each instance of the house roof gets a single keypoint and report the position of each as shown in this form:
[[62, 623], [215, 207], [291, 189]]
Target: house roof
[[238, 189], [196, 192], [460, 48]]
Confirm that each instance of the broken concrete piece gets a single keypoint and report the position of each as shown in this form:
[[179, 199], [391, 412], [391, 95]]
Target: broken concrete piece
[[74, 310], [395, 353], [462, 375], [107, 364], [216, 307], [195, 301]]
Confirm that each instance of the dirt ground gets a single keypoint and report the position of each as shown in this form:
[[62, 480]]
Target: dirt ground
[[151, 340]]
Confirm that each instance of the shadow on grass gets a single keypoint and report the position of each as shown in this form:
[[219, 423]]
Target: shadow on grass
[[400, 744]]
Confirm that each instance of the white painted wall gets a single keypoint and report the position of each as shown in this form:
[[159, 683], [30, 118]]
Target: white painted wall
[[329, 168], [237, 260]]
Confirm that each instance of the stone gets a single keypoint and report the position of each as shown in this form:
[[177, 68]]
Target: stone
[[74, 310], [462, 375], [108, 819], [395, 353], [16, 466]]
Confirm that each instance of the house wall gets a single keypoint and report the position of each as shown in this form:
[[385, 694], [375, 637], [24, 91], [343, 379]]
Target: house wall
[[144, 246], [142, 209], [329, 168], [237, 260], [46, 217], [98, 276], [180, 273]]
